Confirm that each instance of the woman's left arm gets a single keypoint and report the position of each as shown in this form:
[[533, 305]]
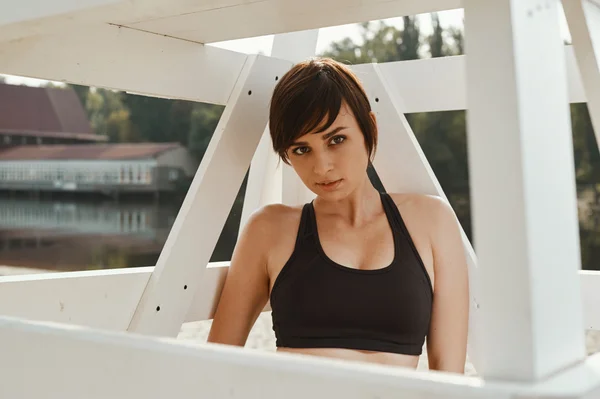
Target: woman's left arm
[[447, 339]]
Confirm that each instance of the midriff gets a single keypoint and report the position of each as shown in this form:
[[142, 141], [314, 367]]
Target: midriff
[[391, 359]]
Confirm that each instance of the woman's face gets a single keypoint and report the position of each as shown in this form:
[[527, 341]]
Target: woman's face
[[333, 163]]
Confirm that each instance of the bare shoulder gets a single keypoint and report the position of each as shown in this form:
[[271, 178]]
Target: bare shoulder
[[273, 225], [270, 219], [427, 207]]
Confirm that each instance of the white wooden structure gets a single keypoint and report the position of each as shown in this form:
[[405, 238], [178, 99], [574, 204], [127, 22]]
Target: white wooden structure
[[106, 334]]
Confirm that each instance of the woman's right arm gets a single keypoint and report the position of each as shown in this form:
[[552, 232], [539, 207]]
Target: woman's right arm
[[246, 289]]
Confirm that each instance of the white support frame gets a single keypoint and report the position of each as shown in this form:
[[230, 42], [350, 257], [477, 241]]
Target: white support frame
[[102, 57], [181, 264], [527, 333], [206, 73], [96, 364], [440, 84], [106, 299], [523, 199], [25, 11]]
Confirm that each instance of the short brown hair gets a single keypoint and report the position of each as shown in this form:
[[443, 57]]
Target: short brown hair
[[312, 91]]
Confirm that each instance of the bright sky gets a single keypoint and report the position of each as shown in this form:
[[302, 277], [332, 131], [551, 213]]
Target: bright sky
[[326, 36]]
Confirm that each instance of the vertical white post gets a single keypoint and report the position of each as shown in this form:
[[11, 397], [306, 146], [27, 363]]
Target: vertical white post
[[265, 184], [583, 17], [182, 262], [523, 189]]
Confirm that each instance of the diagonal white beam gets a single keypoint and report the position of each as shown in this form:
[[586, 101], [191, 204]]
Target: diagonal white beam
[[129, 60], [583, 17], [402, 167], [523, 199], [180, 267], [265, 177]]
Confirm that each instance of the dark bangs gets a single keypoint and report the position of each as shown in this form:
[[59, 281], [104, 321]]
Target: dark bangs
[[309, 98]]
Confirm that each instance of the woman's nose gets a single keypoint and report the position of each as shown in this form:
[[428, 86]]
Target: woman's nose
[[323, 164]]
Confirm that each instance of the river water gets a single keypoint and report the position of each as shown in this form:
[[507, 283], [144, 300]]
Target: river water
[[84, 234]]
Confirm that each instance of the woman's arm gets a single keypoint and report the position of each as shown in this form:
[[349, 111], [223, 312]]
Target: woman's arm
[[447, 339], [246, 289]]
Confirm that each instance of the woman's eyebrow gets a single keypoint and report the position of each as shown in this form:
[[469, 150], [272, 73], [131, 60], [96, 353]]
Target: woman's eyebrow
[[325, 136]]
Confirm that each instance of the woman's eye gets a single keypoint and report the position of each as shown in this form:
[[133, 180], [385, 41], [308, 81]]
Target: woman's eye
[[300, 150], [337, 139]]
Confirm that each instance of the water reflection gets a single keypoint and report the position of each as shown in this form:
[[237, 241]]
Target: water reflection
[[81, 234]]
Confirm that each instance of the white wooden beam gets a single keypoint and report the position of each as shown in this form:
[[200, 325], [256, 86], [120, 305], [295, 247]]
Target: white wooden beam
[[402, 167], [129, 60], [97, 364], [257, 18], [106, 299], [204, 21], [31, 10], [265, 177], [56, 361], [103, 299], [583, 18], [590, 289], [195, 72], [439, 84], [180, 266], [523, 199]]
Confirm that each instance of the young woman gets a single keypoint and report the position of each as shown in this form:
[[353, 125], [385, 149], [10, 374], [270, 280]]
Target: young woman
[[356, 274]]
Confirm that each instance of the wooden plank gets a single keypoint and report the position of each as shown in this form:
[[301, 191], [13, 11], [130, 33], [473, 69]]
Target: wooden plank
[[523, 199], [258, 18], [439, 84], [195, 232], [207, 74], [106, 299], [103, 299], [26, 11], [104, 56], [95, 364], [204, 21]]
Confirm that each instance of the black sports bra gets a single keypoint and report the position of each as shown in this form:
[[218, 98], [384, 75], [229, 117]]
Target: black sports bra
[[318, 303]]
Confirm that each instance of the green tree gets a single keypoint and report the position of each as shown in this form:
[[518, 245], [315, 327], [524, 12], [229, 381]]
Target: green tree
[[203, 122], [437, 46], [409, 42]]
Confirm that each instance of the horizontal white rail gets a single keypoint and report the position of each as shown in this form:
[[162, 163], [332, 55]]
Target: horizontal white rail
[[439, 84], [195, 72], [106, 299], [126, 59], [103, 299], [57, 361]]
